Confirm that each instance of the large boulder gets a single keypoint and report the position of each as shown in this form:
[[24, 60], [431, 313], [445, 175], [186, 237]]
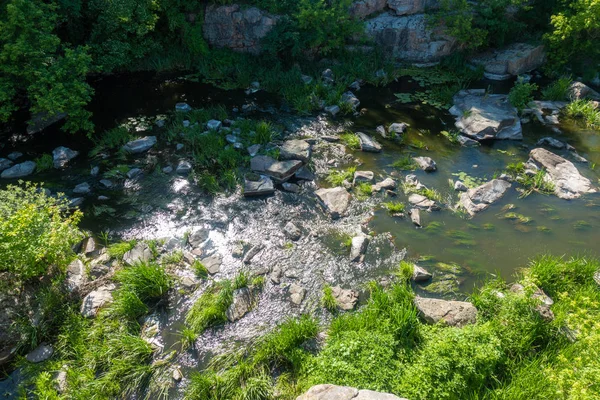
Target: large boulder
[[19, 170], [364, 8], [367, 143], [482, 116], [295, 150], [453, 313], [333, 392], [480, 198], [579, 90], [5, 163], [237, 28], [510, 61], [335, 201], [410, 38], [568, 182], [62, 155], [140, 145], [406, 7]]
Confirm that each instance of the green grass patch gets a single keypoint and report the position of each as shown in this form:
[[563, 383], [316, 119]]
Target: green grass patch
[[327, 300], [210, 308], [364, 190], [337, 177], [394, 207], [118, 250], [351, 140], [405, 163], [586, 111], [557, 90]]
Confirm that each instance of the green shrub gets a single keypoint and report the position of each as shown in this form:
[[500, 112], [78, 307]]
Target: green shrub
[[521, 94], [35, 231]]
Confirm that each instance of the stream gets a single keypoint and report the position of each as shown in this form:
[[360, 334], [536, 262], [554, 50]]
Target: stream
[[166, 206]]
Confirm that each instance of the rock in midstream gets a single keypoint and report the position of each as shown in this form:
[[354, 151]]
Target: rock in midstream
[[335, 201], [367, 143], [420, 274], [425, 163], [359, 248], [480, 198], [415, 216]]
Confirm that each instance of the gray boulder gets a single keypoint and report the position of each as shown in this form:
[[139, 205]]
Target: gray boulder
[[460, 187], [96, 299], [107, 183], [482, 116], [453, 313], [242, 303], [568, 182], [405, 7], [5, 163], [332, 110], [292, 231], [238, 28], [398, 128], [42, 120], [184, 167], [579, 90], [133, 173], [425, 163], [415, 216], [350, 99], [15, 155], [183, 107], [261, 163], [212, 263], [480, 198], [40, 353], [422, 202], [386, 184], [282, 171], [76, 275], [420, 274], [335, 201], [290, 187], [346, 298], [258, 187], [367, 143], [551, 142], [140, 253], [82, 188], [62, 155], [140, 145], [19, 170], [363, 176], [214, 125], [296, 293], [305, 174], [513, 60], [359, 248], [332, 392]]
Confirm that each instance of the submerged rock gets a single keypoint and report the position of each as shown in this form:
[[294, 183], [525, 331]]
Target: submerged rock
[[425, 163], [242, 303], [568, 182], [140, 145], [367, 143], [335, 201], [453, 313], [482, 116], [19, 170], [480, 198], [359, 248], [62, 155]]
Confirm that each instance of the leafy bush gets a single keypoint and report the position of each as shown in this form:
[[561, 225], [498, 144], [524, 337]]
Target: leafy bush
[[36, 231], [521, 94]]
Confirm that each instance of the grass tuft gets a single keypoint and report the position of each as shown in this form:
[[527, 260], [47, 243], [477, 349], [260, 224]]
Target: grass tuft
[[327, 300]]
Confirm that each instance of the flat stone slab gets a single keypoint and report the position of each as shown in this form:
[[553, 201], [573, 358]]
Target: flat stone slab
[[480, 198], [482, 116], [453, 313], [140, 145], [262, 186], [335, 201], [367, 143], [421, 201], [295, 150], [281, 171], [568, 182]]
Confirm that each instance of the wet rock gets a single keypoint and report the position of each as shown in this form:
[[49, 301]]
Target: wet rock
[[332, 110], [359, 248], [108, 184], [212, 263], [409, 38], [467, 142], [425, 163], [290, 187], [242, 304], [480, 198], [140, 253], [133, 173], [415, 216], [19, 170], [167, 170], [460, 187], [282, 171], [423, 202], [551, 142], [482, 116], [213, 125], [364, 8], [76, 275], [253, 252], [75, 202], [453, 313], [296, 293], [363, 176], [62, 155], [259, 187], [578, 158], [183, 107], [350, 99], [513, 60], [305, 174], [184, 167], [568, 182], [15, 155], [579, 91], [96, 299], [236, 27], [334, 200], [327, 75], [406, 7], [346, 298], [332, 392], [386, 184], [40, 354], [381, 131], [254, 149], [140, 145], [82, 188], [420, 274], [197, 237], [292, 231], [398, 128], [368, 144], [295, 150], [5, 163], [177, 375]]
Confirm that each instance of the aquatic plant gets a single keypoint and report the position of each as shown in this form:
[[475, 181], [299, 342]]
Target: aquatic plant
[[586, 111], [337, 177], [111, 140], [350, 140], [210, 307], [405, 163], [394, 207], [364, 190], [328, 301]]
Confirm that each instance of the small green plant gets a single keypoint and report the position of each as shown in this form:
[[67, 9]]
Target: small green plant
[[118, 250], [364, 190], [405, 163], [199, 269], [258, 282], [585, 110], [264, 133], [175, 257], [521, 94], [394, 208], [557, 90], [241, 280], [188, 338], [452, 136], [328, 301], [350, 140], [111, 139], [44, 163], [337, 177], [210, 308], [431, 194], [148, 281]]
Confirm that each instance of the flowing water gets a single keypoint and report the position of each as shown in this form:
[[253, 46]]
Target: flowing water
[[163, 206]]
